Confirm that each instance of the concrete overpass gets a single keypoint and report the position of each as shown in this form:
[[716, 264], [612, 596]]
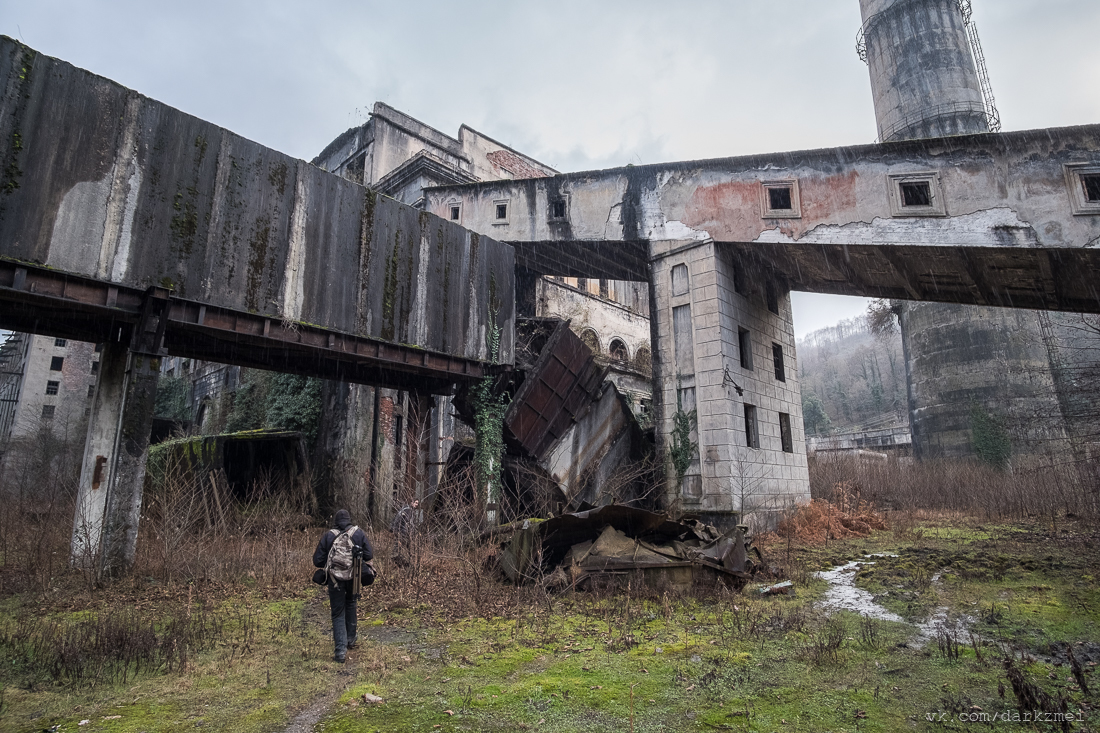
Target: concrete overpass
[[1009, 219]]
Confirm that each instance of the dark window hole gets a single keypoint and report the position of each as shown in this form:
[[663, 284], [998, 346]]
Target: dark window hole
[[916, 194], [1092, 188], [779, 199], [502, 211]]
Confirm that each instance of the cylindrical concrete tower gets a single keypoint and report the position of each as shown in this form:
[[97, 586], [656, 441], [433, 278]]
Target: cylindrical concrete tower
[[976, 375], [924, 77]]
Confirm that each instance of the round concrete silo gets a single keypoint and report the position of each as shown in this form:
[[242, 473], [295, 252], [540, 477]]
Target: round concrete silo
[[968, 367]]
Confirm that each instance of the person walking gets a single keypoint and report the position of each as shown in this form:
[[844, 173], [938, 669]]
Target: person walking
[[335, 553], [403, 527]]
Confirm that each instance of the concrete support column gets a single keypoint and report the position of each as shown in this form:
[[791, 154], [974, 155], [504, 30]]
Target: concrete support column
[[108, 506]]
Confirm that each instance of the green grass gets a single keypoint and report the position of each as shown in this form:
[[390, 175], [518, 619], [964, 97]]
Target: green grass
[[720, 661]]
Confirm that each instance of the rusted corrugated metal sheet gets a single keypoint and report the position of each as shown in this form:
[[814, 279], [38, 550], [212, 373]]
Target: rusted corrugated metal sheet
[[560, 388]]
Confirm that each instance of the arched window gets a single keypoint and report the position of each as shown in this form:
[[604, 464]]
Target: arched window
[[643, 360], [591, 340], [618, 351]]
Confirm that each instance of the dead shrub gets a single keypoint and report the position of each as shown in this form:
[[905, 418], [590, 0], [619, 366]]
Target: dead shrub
[[848, 515]]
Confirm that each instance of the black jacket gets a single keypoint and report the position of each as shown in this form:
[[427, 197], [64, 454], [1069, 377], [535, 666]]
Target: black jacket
[[359, 537]]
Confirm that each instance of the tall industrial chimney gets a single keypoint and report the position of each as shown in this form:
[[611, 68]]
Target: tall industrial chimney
[[927, 71]]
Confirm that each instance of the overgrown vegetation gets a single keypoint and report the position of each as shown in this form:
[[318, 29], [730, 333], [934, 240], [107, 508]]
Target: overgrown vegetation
[[173, 398], [489, 409], [989, 437], [219, 625], [853, 374], [682, 450], [275, 401]]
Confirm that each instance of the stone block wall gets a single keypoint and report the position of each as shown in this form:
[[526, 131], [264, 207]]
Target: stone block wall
[[732, 470]]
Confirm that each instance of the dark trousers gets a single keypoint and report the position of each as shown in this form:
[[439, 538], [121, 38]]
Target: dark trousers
[[344, 619]]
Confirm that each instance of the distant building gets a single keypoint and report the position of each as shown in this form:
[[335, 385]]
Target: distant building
[[46, 384]]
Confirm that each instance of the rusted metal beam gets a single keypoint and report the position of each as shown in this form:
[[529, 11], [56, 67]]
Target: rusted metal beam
[[43, 300]]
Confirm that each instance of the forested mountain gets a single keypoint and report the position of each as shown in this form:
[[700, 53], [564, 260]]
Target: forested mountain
[[851, 378]]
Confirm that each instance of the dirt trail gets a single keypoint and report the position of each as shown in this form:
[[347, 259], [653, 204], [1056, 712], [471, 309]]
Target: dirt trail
[[316, 615]]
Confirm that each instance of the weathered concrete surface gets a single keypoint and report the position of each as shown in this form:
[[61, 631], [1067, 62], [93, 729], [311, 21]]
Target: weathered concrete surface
[[923, 77], [1007, 236], [100, 181], [109, 494]]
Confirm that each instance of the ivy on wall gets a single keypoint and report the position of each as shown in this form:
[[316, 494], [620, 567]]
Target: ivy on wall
[[990, 439], [682, 450], [489, 409]]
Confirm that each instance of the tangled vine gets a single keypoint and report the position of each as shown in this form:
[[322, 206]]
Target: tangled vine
[[682, 449], [489, 409]]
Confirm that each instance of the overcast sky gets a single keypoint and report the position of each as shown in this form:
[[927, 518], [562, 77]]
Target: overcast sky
[[577, 85]]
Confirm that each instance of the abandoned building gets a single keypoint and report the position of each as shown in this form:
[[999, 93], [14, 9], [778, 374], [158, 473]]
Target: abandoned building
[[164, 235]]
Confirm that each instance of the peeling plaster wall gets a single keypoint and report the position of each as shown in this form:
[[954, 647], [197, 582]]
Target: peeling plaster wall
[[1000, 190]]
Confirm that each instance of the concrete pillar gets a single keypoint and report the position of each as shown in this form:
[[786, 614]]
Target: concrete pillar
[[108, 506], [958, 358]]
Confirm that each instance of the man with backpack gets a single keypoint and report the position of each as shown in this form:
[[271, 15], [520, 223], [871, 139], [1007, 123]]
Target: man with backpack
[[338, 552]]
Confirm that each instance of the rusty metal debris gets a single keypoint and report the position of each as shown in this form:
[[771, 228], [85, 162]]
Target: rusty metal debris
[[618, 542]]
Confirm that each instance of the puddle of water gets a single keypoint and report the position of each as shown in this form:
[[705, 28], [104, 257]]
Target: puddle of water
[[843, 595]]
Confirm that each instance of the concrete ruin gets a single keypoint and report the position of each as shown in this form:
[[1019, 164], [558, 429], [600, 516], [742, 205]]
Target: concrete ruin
[[126, 222]]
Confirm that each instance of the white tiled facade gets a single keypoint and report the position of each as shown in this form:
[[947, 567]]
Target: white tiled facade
[[727, 475]]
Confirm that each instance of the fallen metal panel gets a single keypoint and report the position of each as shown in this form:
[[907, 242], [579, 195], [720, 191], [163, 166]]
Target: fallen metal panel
[[559, 389]]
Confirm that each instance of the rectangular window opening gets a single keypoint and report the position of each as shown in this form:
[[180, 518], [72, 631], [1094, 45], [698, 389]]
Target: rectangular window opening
[[752, 439], [772, 297], [785, 432], [454, 213], [91, 390], [502, 211], [744, 345], [56, 363], [1091, 184], [557, 209], [777, 359], [60, 342], [95, 367], [679, 279], [918, 193], [779, 198], [47, 411], [51, 387]]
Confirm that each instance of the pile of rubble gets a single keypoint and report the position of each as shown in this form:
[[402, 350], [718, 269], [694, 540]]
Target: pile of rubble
[[616, 542]]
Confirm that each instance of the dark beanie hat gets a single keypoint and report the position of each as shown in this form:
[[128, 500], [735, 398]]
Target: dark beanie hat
[[342, 518]]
